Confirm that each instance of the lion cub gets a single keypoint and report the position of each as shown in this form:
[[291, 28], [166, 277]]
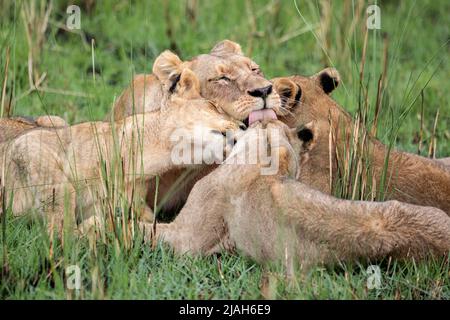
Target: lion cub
[[53, 170], [409, 178], [15, 126], [277, 218]]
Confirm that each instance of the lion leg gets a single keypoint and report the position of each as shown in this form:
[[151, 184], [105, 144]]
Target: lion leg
[[200, 227], [60, 210]]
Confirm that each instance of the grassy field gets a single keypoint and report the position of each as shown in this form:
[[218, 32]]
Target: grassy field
[[79, 79]]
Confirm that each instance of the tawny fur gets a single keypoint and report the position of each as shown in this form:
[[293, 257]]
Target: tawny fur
[[444, 161], [276, 218], [147, 91], [226, 77], [410, 178], [46, 169], [13, 127]]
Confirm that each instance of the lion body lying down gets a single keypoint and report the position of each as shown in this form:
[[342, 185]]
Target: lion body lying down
[[13, 127], [53, 171], [276, 218], [409, 178]]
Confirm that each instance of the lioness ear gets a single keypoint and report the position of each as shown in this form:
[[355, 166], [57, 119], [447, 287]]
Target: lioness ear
[[226, 47], [328, 79], [290, 93], [307, 135], [167, 67], [188, 86]]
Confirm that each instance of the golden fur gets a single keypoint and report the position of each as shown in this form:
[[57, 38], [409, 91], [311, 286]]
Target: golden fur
[[410, 178], [13, 127], [226, 77], [276, 218]]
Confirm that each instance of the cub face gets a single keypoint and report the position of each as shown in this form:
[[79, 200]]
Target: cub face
[[226, 77], [305, 99], [289, 146], [196, 126]]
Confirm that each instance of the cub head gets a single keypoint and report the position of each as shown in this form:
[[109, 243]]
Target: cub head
[[308, 98], [196, 127], [277, 148], [229, 79]]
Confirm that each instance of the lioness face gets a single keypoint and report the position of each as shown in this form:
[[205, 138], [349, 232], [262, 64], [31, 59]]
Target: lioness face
[[306, 99], [228, 78], [288, 147]]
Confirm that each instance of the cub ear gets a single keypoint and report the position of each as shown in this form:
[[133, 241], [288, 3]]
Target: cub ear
[[188, 86], [168, 67], [328, 79], [308, 135], [290, 93], [226, 47]]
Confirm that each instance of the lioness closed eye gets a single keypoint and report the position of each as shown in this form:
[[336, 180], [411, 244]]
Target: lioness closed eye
[[50, 171]]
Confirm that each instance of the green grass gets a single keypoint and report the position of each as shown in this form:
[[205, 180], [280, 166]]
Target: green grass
[[128, 36]]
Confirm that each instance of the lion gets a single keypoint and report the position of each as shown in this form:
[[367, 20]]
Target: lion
[[278, 218], [13, 127], [409, 178], [444, 161], [228, 78], [53, 170]]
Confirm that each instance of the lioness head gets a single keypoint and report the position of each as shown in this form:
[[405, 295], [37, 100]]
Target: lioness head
[[194, 125], [275, 147], [306, 99], [226, 77]]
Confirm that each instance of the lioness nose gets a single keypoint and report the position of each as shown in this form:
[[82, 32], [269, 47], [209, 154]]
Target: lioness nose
[[261, 92]]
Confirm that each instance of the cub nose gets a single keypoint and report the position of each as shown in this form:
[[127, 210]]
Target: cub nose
[[261, 92]]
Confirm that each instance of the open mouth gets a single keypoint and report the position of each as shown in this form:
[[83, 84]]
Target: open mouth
[[260, 115]]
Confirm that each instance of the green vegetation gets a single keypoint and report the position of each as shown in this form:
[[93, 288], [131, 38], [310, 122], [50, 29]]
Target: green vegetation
[[285, 37]]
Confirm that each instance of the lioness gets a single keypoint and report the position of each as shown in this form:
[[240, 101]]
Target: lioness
[[60, 169], [444, 161], [409, 178], [276, 218], [227, 77], [231, 80]]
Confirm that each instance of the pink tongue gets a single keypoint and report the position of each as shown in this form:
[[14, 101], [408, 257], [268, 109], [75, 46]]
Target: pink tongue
[[263, 114]]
